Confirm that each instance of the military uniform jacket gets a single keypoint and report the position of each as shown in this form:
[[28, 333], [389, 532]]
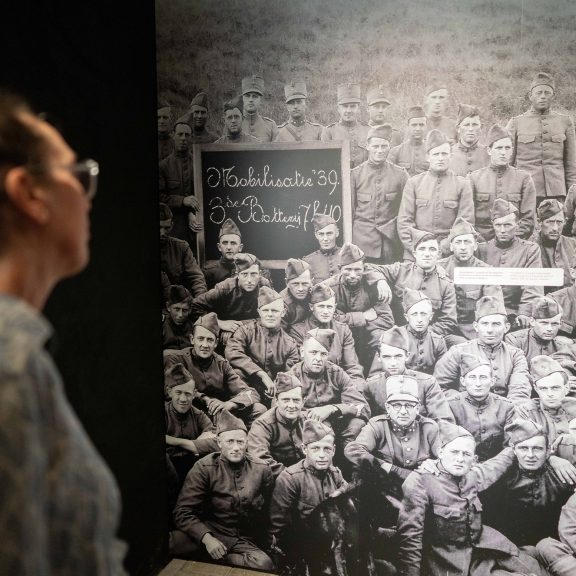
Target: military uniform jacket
[[323, 264], [566, 297], [241, 138], [262, 128], [466, 159], [253, 348], [432, 201], [194, 425], [545, 147], [532, 346], [177, 261], [355, 133], [376, 193], [304, 131], [508, 363], [510, 184], [411, 156], [228, 500], [560, 255], [296, 310], [519, 254], [331, 387], [276, 440], [484, 419], [176, 337], [567, 523], [444, 124], [570, 211], [424, 349], [218, 270]]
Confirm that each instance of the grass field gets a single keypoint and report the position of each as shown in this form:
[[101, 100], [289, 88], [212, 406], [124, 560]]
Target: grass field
[[486, 50]]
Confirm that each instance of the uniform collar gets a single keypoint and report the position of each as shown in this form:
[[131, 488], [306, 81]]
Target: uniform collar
[[477, 403], [318, 473], [498, 169], [252, 118], [330, 252], [470, 148], [297, 123], [227, 263], [418, 335]]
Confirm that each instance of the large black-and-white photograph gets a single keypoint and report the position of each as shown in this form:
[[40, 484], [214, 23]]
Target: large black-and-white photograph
[[368, 251]]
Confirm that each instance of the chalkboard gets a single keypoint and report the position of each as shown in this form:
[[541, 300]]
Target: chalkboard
[[271, 191]]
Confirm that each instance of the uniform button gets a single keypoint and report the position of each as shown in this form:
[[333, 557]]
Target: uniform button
[[407, 461], [409, 449], [405, 439]]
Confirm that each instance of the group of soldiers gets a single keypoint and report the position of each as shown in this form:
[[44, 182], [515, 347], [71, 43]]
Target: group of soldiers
[[374, 416]]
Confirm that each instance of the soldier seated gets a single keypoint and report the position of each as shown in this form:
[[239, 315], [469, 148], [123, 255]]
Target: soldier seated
[[177, 326], [297, 292], [324, 262], [566, 297], [229, 245]]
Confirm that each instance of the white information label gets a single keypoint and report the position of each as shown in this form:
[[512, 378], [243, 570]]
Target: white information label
[[509, 276]]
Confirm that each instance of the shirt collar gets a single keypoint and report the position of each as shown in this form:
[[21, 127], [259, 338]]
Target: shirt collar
[[17, 318]]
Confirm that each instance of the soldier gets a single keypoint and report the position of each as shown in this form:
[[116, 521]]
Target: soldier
[[481, 412], [544, 141], [324, 262], [432, 201], [411, 154], [507, 250], [165, 141], [468, 154], [176, 325], [566, 298], [297, 292], [500, 180], [260, 349], [349, 127], [233, 124], [176, 259], [508, 363], [221, 508], [376, 187], [435, 106], [197, 117], [262, 128], [297, 128], [377, 104], [463, 240], [229, 244]]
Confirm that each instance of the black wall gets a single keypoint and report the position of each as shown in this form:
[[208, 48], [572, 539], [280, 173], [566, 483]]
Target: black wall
[[90, 65]]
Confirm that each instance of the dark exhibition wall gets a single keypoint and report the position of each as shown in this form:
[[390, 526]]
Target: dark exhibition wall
[[90, 66]]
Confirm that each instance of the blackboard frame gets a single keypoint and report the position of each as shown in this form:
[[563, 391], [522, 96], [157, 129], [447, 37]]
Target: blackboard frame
[[344, 174]]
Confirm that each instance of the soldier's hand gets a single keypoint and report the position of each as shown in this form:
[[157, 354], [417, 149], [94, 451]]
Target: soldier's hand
[[370, 315], [268, 383], [191, 202], [214, 547], [321, 413], [384, 292], [429, 467], [193, 223], [523, 321], [190, 446], [215, 406], [564, 470], [229, 325]]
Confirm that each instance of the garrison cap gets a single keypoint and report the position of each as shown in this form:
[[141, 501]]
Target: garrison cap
[[449, 432], [165, 212], [418, 236], [321, 221], [466, 111], [434, 139], [502, 208], [177, 294], [384, 131], [253, 83], [235, 102], [545, 307], [402, 388], [295, 268], [243, 261], [348, 93], [415, 112], [460, 228], [201, 99], [321, 293], [543, 79], [412, 297], [229, 227], [324, 336], [210, 322], [542, 366], [177, 375], [296, 89], [227, 422], [435, 86], [488, 305], [377, 94], [267, 295], [314, 431], [349, 253], [469, 362], [496, 133], [285, 381], [396, 338], [548, 208], [520, 430]]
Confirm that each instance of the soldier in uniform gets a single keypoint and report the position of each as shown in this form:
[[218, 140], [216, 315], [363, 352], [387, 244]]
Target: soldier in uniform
[[432, 201], [411, 154], [463, 240], [324, 262], [349, 127], [508, 363], [229, 244], [233, 124], [222, 505], [544, 141], [507, 250], [259, 349], [297, 128], [435, 106], [500, 180], [262, 128], [376, 187], [468, 154], [297, 292], [165, 141], [377, 104], [197, 117], [176, 325]]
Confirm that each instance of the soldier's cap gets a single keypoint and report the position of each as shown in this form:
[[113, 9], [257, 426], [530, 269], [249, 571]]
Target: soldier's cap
[[321, 293], [285, 381], [163, 103], [377, 94], [415, 112], [394, 337], [229, 227], [434, 139], [295, 90], [201, 99], [412, 297], [233, 103], [314, 431], [348, 94], [460, 228], [349, 253], [267, 295], [419, 236], [543, 79], [177, 375], [469, 362], [228, 422], [496, 133], [177, 294], [466, 111], [488, 305], [548, 208], [165, 212], [545, 307], [209, 322], [502, 209], [294, 268], [321, 221], [542, 366], [324, 337], [253, 83], [243, 261], [449, 432], [383, 131], [520, 430], [402, 387], [434, 87]]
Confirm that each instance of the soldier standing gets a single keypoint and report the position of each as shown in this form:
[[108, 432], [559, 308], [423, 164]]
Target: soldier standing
[[378, 103], [324, 262], [435, 106], [233, 131], [411, 154], [197, 117], [297, 128], [468, 154], [165, 141], [262, 128], [229, 244]]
